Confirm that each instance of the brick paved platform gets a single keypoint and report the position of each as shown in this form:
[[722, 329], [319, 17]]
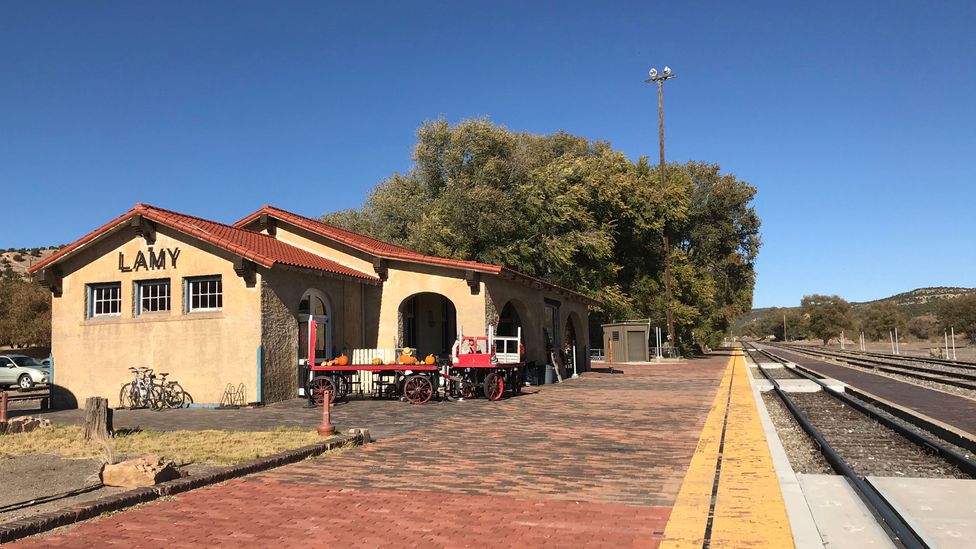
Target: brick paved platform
[[594, 462]]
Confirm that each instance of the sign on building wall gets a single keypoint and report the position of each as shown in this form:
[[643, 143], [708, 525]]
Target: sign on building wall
[[150, 261]]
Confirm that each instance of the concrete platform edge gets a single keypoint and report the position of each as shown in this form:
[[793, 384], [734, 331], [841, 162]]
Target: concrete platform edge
[[806, 535]]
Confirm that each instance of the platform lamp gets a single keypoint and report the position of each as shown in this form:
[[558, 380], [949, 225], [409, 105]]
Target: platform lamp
[[659, 79]]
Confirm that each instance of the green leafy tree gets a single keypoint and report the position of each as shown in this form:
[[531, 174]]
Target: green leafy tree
[[922, 327], [771, 324], [578, 213], [826, 315], [960, 313], [877, 319], [25, 313]]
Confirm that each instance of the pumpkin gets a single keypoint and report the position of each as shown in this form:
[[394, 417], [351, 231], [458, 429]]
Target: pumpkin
[[342, 360], [407, 359], [391, 363], [429, 360], [377, 361]]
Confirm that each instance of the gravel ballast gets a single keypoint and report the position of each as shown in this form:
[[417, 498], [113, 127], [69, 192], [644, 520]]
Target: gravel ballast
[[867, 446], [803, 454]]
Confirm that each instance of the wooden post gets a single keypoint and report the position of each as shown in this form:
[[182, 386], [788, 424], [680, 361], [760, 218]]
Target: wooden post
[[98, 420]]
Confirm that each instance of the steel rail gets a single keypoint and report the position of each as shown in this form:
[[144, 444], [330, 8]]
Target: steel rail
[[930, 359], [928, 444], [893, 523], [898, 360], [956, 379]]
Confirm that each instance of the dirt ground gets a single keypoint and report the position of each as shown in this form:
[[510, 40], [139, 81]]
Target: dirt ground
[[25, 478], [66, 480]]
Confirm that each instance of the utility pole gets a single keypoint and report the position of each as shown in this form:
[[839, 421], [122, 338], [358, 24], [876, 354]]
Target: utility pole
[[659, 80], [784, 329], [952, 330]]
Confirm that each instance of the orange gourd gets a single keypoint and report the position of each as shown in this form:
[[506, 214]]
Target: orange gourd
[[342, 360], [429, 360]]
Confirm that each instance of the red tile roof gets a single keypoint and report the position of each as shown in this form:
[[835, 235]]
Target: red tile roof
[[259, 248], [364, 243], [386, 250]]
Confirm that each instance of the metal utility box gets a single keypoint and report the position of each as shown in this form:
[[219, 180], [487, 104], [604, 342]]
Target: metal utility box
[[628, 341]]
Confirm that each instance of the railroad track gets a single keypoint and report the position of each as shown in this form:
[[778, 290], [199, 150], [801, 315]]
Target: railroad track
[[925, 359], [857, 440], [956, 376]]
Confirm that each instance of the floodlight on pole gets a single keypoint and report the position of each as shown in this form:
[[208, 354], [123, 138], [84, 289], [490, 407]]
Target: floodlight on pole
[[659, 80]]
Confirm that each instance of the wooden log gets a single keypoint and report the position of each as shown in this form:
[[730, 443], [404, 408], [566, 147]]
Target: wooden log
[[98, 420]]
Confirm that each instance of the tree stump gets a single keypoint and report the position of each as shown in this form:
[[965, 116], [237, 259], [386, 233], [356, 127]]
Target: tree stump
[[98, 420]]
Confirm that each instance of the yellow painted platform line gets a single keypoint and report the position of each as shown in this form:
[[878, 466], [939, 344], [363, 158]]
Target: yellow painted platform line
[[749, 509]]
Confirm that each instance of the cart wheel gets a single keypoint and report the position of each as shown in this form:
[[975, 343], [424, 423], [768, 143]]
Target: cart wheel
[[494, 386], [417, 389], [317, 388]]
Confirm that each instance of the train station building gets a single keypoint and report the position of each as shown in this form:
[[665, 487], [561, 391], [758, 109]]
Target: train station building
[[215, 305]]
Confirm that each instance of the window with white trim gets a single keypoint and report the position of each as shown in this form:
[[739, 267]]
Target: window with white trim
[[204, 294], [104, 299], [152, 296]]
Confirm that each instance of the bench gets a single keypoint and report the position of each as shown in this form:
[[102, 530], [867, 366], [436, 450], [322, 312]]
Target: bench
[[40, 393]]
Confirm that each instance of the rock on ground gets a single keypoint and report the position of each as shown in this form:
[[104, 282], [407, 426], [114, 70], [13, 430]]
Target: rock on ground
[[142, 471]]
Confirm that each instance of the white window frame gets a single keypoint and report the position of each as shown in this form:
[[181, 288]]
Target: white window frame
[[190, 284], [96, 297], [155, 295]]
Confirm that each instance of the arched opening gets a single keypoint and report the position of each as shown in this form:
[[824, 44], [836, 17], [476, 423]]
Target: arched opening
[[428, 323], [315, 305], [509, 321], [573, 339]]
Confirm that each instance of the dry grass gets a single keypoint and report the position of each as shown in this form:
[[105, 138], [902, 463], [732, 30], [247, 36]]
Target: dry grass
[[183, 447]]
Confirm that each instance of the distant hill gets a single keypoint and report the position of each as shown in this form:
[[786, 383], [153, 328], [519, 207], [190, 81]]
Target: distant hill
[[20, 260], [923, 301], [917, 302]]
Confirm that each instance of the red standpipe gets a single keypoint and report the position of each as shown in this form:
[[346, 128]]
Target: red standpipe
[[3, 406], [326, 428]]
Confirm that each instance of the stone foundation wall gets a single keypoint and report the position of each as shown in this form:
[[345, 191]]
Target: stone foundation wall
[[279, 339]]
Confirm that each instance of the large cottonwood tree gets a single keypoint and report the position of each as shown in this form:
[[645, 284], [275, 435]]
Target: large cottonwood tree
[[578, 213]]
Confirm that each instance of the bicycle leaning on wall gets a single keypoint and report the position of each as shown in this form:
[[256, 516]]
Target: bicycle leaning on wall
[[147, 390]]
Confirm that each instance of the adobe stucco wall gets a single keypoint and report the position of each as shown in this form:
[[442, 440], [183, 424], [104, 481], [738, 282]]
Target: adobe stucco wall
[[202, 351], [340, 253], [281, 294], [474, 310], [529, 303], [404, 280], [409, 279]]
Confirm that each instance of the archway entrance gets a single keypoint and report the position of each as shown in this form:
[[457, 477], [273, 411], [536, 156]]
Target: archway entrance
[[428, 323], [509, 321], [569, 344], [315, 306]]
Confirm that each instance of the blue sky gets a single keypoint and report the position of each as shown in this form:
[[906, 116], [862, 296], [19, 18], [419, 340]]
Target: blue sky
[[855, 120]]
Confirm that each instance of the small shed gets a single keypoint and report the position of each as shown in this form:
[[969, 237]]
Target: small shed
[[628, 341]]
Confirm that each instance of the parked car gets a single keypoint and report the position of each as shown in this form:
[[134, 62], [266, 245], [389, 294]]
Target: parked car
[[22, 371]]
